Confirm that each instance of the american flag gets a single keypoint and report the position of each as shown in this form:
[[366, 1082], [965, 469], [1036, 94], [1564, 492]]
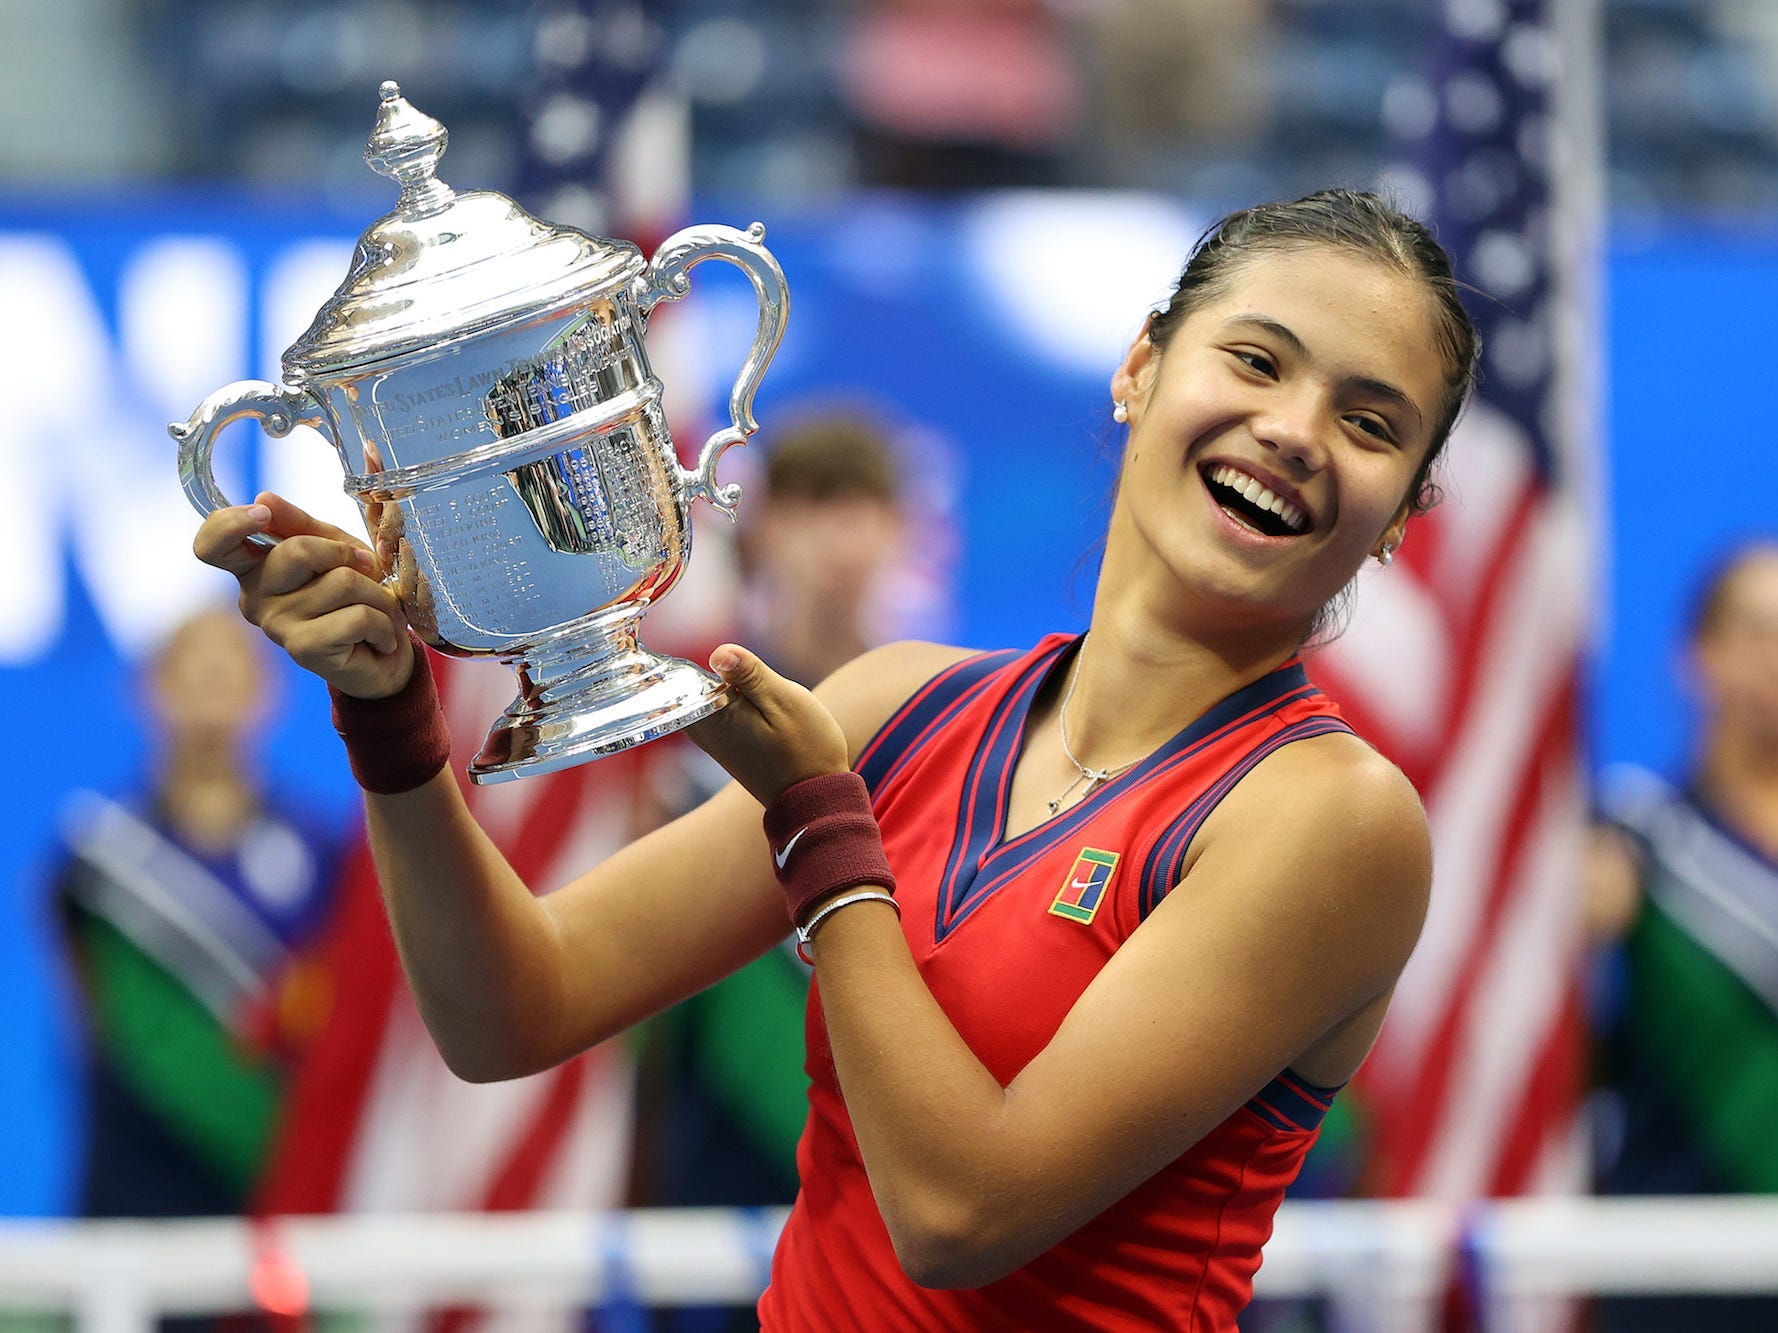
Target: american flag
[[376, 1123], [1463, 661]]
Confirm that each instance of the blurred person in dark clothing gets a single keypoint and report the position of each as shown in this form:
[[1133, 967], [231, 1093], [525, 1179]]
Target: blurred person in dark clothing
[[1683, 896], [184, 909]]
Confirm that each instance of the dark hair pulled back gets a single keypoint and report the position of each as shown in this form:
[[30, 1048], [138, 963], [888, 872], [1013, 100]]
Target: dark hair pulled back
[[1362, 224]]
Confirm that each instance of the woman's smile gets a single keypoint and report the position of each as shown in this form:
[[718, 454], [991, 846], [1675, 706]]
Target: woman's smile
[[1263, 504]]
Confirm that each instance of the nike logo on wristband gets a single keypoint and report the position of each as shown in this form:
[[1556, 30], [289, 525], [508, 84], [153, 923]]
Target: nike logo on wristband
[[783, 854]]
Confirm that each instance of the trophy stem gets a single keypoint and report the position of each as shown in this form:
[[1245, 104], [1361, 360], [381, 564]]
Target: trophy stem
[[590, 693]]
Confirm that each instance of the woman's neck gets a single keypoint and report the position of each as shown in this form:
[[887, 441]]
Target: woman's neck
[[1141, 679]]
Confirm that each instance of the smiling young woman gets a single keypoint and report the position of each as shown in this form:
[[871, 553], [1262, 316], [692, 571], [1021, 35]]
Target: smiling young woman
[[1099, 927]]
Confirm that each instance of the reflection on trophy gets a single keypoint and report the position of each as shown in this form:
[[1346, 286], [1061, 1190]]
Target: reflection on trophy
[[484, 378]]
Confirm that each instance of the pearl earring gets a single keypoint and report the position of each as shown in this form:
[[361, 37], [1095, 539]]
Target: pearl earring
[[1120, 413], [1385, 556]]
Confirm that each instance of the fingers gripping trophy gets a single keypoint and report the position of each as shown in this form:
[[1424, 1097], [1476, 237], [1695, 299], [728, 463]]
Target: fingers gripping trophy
[[484, 379]]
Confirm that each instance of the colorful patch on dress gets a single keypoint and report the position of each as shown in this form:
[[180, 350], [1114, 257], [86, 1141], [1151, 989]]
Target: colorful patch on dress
[[1084, 888]]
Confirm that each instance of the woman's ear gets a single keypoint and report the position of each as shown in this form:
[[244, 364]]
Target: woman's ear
[[1128, 380], [1392, 536]]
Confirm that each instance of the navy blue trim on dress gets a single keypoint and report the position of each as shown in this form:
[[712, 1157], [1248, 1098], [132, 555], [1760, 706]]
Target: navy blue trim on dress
[[1166, 860], [981, 804], [1292, 1104], [979, 862], [908, 729]]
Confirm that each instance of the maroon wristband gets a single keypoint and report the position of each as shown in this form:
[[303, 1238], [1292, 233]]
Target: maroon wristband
[[824, 837], [398, 743]]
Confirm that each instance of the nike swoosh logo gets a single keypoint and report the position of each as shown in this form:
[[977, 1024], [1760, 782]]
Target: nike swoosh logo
[[784, 855], [1082, 884]]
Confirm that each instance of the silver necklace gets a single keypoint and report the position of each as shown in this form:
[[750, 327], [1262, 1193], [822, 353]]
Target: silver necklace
[[1093, 777]]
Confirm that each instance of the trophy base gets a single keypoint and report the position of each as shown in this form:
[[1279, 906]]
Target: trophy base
[[571, 712]]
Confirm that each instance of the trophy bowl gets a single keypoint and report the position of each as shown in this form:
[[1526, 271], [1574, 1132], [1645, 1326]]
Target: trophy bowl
[[484, 379]]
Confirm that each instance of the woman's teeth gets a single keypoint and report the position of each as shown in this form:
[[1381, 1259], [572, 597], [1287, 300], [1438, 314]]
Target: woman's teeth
[[1257, 495]]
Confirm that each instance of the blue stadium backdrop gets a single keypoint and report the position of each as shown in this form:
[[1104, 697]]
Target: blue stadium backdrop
[[989, 326]]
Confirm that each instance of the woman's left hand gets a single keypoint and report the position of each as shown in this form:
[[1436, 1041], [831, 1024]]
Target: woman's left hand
[[774, 733]]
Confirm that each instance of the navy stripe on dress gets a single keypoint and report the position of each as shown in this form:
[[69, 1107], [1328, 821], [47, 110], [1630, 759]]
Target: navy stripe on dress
[[906, 732], [1166, 861], [981, 806], [1290, 1103]]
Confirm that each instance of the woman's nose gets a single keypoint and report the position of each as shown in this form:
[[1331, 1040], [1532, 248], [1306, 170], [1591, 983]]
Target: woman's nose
[[1292, 425]]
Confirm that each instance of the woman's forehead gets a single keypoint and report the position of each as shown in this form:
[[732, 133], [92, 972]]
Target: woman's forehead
[[1343, 307], [1323, 279]]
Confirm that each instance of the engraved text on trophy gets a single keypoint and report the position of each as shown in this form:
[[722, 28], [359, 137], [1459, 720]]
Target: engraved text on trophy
[[587, 364]]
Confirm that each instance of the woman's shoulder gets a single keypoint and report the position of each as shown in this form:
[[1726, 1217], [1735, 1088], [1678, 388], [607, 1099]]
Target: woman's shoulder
[[868, 690], [1333, 799], [1324, 845], [1339, 776]]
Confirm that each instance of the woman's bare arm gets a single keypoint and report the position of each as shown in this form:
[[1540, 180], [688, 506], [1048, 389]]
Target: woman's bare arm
[[509, 984]]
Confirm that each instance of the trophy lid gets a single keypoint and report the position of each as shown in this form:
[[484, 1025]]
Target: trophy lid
[[445, 265]]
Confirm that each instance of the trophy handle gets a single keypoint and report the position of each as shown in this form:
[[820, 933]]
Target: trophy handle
[[666, 279], [274, 406]]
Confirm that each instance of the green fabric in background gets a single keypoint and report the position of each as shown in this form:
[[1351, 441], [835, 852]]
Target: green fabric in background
[[1716, 1043], [747, 1038], [174, 1054]]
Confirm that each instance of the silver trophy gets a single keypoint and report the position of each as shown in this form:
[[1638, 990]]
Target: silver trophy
[[483, 377]]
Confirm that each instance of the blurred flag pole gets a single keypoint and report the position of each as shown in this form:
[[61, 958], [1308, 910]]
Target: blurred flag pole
[[1465, 659]]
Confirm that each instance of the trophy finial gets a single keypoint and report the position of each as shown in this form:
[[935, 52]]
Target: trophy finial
[[406, 146]]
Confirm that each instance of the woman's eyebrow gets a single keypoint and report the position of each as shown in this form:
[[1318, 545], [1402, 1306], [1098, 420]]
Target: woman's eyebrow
[[1364, 383], [1388, 392], [1266, 324]]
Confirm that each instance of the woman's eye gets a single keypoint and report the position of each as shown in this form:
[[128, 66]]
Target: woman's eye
[[1256, 361], [1374, 428]]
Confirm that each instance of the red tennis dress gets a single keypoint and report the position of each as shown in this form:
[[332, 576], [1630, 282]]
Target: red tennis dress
[[1007, 934]]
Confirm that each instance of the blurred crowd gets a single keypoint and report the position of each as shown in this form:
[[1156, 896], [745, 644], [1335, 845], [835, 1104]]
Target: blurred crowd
[[796, 100]]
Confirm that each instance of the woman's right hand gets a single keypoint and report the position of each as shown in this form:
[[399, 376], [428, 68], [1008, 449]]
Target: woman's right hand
[[315, 594]]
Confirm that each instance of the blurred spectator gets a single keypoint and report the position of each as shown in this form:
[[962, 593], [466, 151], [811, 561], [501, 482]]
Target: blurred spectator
[[1686, 880], [942, 92], [1179, 86], [185, 910], [725, 1099], [960, 94], [828, 526]]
